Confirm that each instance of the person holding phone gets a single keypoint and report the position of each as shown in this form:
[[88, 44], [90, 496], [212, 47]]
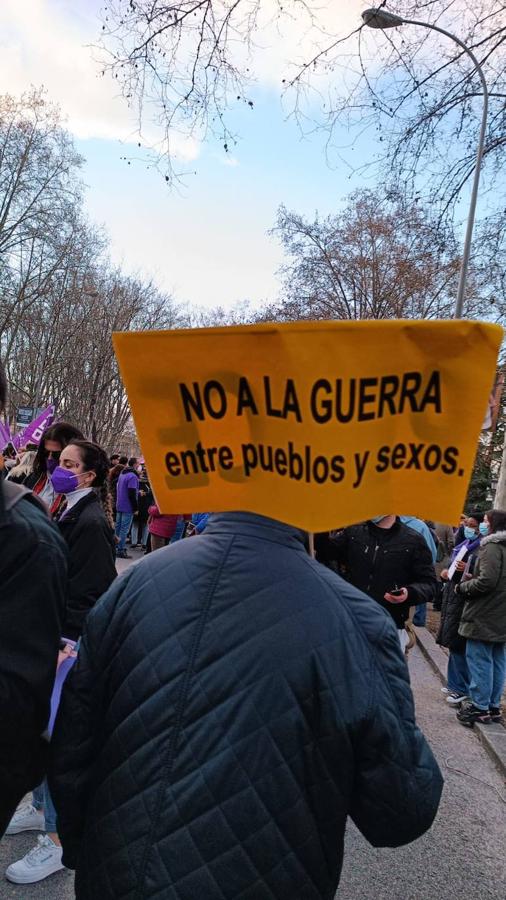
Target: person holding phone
[[386, 560]]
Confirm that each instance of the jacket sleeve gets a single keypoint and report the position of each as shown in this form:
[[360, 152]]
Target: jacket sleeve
[[154, 511], [490, 558], [79, 725], [398, 783], [423, 586], [450, 539], [33, 584], [132, 496], [429, 540], [91, 572]]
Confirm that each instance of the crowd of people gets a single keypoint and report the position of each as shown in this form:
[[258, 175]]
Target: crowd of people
[[461, 571], [204, 724]]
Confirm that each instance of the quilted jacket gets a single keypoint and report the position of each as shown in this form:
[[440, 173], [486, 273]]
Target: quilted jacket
[[232, 704], [33, 589]]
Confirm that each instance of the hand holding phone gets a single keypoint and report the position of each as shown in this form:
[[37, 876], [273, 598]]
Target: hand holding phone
[[398, 595]]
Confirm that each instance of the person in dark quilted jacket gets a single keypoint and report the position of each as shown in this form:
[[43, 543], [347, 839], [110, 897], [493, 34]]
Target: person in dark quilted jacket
[[33, 592], [232, 704]]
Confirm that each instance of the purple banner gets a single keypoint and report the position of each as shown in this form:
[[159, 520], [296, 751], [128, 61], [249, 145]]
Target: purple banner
[[34, 431], [5, 435]]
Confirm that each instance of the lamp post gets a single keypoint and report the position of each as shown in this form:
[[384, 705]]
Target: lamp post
[[382, 19]]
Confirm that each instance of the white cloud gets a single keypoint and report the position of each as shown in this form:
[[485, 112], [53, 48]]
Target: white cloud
[[286, 43], [48, 43]]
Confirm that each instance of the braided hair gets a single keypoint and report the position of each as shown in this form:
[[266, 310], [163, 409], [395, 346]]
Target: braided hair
[[95, 459]]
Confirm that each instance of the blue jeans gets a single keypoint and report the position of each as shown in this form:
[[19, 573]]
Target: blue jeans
[[41, 799], [458, 673], [123, 522], [420, 616], [487, 670]]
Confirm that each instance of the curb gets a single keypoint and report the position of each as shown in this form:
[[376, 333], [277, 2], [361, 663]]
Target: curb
[[493, 737]]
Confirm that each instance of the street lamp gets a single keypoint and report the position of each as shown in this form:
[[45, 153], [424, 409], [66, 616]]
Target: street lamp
[[381, 18]]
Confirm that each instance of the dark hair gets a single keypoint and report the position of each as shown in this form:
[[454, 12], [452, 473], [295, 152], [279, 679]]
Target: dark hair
[[123, 460], [63, 434], [95, 459], [497, 520], [478, 516], [132, 461], [114, 456], [3, 388]]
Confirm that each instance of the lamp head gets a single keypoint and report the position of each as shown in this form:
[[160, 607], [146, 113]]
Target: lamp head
[[381, 18]]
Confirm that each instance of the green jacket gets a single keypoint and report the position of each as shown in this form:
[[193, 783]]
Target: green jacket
[[484, 614]]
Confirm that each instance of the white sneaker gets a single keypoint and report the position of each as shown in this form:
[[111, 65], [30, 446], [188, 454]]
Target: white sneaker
[[455, 699], [42, 860], [26, 818], [445, 691]]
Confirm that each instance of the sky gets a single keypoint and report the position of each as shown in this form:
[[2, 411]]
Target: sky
[[206, 241]]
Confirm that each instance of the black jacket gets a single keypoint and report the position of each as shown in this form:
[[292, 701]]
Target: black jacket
[[144, 502], [92, 557], [378, 560], [232, 704], [33, 578], [452, 606]]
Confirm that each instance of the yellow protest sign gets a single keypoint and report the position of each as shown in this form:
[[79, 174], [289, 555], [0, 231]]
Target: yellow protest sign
[[318, 424]]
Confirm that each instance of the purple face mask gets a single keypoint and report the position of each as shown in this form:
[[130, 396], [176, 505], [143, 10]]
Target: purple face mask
[[51, 464], [63, 481]]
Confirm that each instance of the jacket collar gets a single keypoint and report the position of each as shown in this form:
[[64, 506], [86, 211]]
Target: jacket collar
[[77, 509], [256, 526], [498, 538], [394, 529]]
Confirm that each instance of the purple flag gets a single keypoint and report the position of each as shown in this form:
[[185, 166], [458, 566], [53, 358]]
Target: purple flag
[[34, 431], [5, 435]]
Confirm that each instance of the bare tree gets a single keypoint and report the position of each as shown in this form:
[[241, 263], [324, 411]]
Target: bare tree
[[381, 258], [60, 298], [421, 93], [188, 61]]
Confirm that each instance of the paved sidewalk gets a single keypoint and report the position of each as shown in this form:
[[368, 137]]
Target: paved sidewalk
[[463, 856]]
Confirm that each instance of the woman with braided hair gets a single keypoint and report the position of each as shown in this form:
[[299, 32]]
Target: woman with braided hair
[[87, 525]]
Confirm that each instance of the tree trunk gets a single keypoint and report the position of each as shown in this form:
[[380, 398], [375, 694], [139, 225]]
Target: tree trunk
[[500, 494]]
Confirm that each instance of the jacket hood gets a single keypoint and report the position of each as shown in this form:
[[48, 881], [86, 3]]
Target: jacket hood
[[498, 538]]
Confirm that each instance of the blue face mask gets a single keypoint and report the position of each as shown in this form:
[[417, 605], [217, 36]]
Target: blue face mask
[[377, 519], [484, 529], [469, 533]]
